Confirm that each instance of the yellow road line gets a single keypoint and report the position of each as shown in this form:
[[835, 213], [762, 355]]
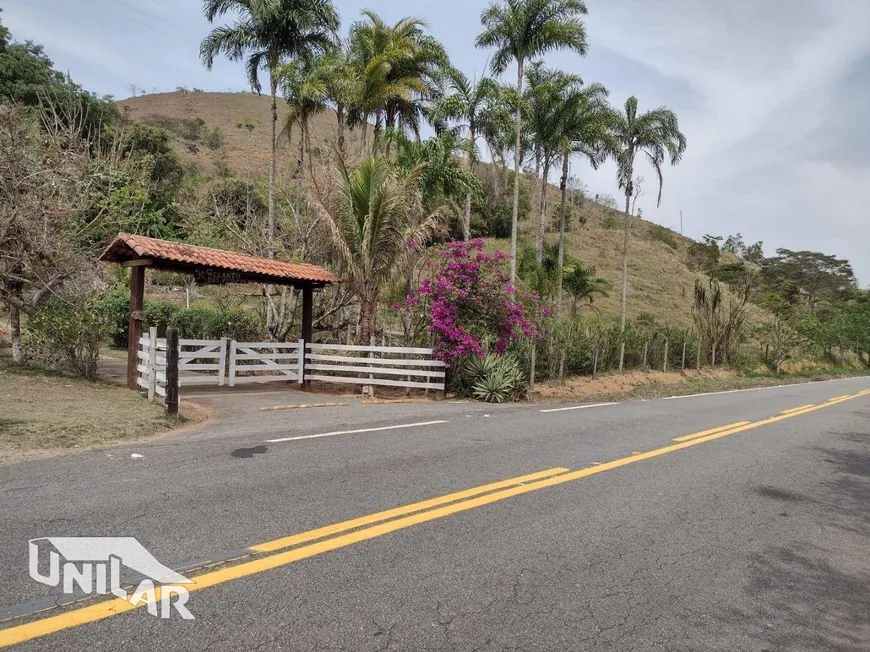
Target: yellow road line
[[710, 431], [804, 407], [99, 611], [336, 528], [839, 397]]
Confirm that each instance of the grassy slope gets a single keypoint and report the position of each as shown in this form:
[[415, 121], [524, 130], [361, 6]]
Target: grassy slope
[[660, 282]]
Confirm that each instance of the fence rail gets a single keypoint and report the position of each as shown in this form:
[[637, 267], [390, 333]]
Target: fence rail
[[412, 370], [220, 361]]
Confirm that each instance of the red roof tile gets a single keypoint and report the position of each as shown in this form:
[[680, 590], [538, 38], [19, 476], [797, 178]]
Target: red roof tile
[[127, 247]]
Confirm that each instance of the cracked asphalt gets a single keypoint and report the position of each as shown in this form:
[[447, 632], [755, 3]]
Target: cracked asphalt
[[757, 541]]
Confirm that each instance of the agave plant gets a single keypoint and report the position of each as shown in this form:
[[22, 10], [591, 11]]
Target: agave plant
[[494, 379]]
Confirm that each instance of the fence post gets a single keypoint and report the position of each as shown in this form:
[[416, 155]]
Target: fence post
[[232, 363], [152, 363], [532, 366], [621, 355], [172, 372], [301, 360], [684, 355], [562, 364], [595, 363], [222, 361], [698, 362], [666, 357], [714, 354], [371, 388], [645, 347]]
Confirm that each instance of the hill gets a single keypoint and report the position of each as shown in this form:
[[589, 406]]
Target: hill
[[229, 132]]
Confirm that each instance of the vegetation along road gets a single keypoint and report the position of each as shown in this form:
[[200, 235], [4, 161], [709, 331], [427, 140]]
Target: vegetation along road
[[731, 521]]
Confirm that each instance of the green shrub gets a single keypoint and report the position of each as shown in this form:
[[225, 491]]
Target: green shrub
[[114, 307], [68, 330], [208, 324], [611, 221], [658, 233]]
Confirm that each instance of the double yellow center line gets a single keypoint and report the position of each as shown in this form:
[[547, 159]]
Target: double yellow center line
[[346, 533]]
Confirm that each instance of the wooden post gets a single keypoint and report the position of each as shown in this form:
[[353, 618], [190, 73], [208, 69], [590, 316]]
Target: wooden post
[[301, 360], [172, 372], [232, 363], [562, 364], [665, 367], [595, 363], [684, 355], [698, 362], [134, 322], [714, 354], [372, 342], [621, 356], [532, 366], [307, 326], [645, 347], [152, 363], [222, 362]]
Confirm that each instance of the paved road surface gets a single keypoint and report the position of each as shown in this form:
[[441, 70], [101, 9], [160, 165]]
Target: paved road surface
[[756, 537]]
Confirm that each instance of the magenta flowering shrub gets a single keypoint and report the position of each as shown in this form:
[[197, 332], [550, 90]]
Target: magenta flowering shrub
[[470, 304]]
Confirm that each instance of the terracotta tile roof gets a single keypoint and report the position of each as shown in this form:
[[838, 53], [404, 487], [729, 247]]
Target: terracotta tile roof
[[127, 246]]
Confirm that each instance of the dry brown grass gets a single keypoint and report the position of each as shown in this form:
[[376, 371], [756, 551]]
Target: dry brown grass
[[247, 150]]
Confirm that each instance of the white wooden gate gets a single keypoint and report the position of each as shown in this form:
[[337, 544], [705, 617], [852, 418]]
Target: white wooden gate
[[206, 359], [265, 361], [363, 365]]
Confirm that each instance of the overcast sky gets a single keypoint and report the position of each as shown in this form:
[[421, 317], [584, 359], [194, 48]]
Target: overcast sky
[[773, 95]]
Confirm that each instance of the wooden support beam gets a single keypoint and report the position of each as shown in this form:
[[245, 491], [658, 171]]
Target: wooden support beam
[[307, 326], [134, 322], [138, 262]]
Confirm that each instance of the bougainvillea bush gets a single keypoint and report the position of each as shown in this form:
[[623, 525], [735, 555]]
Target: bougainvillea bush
[[469, 304]]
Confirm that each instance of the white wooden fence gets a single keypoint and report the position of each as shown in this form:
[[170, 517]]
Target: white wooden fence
[[213, 361], [363, 365], [265, 361]]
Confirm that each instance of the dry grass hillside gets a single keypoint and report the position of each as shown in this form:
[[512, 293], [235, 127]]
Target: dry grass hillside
[[660, 281], [242, 121]]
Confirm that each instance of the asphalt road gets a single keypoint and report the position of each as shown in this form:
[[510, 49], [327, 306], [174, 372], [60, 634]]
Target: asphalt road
[[756, 537]]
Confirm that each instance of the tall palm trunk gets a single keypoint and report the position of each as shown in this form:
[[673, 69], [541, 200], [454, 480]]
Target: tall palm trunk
[[273, 163], [466, 227], [625, 259], [300, 154], [517, 157], [542, 210], [339, 116], [563, 187], [366, 316], [536, 199]]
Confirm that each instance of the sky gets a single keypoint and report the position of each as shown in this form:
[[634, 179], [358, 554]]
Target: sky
[[771, 94]]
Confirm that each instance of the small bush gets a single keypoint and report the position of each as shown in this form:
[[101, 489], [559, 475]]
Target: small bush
[[209, 324], [658, 233], [68, 330], [611, 221]]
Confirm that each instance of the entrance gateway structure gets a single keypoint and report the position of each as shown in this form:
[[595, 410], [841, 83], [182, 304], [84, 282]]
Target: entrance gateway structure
[[209, 267]]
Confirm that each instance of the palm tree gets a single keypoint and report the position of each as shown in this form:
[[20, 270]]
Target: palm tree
[[372, 227], [546, 103], [341, 85], [583, 285], [657, 135], [521, 30], [304, 89], [467, 104], [265, 34], [399, 67], [582, 117]]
